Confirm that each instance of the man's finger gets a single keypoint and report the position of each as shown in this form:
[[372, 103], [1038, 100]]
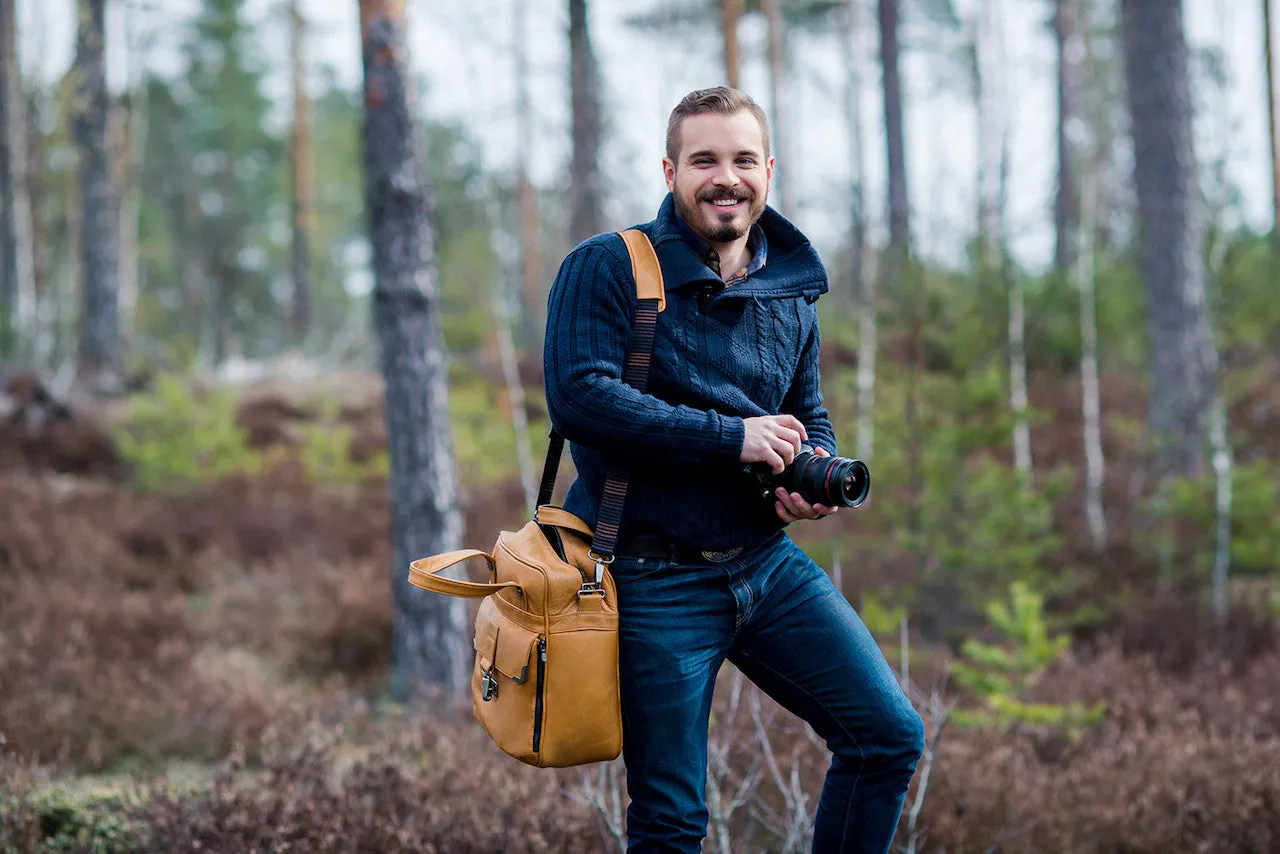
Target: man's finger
[[794, 423]]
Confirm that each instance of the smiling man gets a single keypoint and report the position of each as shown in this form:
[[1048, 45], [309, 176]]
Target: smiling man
[[704, 568]]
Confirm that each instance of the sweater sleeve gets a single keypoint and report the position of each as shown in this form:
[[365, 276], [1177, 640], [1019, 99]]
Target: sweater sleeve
[[804, 398], [589, 317]]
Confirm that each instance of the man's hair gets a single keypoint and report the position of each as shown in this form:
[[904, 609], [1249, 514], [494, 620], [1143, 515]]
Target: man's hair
[[720, 100]]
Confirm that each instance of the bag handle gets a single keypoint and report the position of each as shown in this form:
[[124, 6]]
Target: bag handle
[[424, 573], [651, 301]]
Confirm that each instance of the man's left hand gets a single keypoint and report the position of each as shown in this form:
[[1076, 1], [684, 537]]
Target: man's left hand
[[792, 508]]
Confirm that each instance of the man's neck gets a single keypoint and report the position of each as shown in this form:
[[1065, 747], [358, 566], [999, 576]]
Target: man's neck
[[733, 256]]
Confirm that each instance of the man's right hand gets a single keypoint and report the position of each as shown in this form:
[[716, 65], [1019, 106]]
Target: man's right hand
[[773, 440]]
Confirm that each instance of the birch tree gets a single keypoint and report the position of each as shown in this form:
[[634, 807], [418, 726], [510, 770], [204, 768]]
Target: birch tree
[[17, 282], [991, 69], [863, 280], [1090, 386], [99, 357], [300, 179], [530, 228], [429, 644], [1079, 165], [128, 141], [775, 55], [1273, 121]]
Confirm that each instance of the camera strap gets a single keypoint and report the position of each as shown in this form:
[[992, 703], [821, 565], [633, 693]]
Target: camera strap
[[650, 302]]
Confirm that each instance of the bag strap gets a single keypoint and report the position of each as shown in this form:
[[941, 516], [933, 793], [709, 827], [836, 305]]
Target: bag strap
[[651, 300], [424, 573]]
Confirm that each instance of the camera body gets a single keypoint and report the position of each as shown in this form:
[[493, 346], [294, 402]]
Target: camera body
[[831, 481]]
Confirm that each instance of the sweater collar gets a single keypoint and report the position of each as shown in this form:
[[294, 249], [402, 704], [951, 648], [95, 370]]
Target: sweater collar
[[793, 268], [757, 245]]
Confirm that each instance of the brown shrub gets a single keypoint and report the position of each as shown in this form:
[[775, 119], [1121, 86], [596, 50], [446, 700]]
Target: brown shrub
[[425, 789], [92, 680], [1152, 792], [140, 626], [1185, 763], [39, 433]]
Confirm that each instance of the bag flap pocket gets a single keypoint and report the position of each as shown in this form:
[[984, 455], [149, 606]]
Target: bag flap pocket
[[502, 644]]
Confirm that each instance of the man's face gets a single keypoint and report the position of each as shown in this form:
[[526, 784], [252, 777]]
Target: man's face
[[720, 180]]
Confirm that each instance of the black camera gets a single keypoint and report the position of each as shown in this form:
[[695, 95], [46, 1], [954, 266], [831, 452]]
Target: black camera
[[831, 481]]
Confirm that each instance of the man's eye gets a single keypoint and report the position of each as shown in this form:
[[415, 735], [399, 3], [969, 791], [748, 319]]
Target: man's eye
[[746, 161]]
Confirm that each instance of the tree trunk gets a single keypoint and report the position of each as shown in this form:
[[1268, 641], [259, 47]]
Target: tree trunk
[[429, 643], [586, 185], [1087, 159], [1183, 358], [1066, 205], [1019, 400], [131, 126], [994, 127], [899, 216], [1273, 119], [530, 227], [44, 340], [784, 168], [895, 268], [124, 129], [99, 358], [515, 395], [863, 282], [989, 99], [1090, 388], [300, 171], [730, 14], [17, 282]]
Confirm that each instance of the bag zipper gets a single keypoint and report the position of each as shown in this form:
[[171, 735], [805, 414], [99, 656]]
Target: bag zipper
[[537, 697]]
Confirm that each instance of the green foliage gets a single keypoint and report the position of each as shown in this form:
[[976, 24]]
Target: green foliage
[[999, 676], [879, 618], [71, 824], [1243, 301], [325, 453], [984, 525], [1255, 518], [176, 436], [484, 439]]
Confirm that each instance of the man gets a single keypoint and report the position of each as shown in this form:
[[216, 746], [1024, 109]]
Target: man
[[704, 571]]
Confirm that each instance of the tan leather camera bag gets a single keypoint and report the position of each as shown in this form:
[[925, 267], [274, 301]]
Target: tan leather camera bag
[[545, 683]]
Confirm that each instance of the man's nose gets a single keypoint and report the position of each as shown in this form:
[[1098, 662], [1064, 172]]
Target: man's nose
[[726, 176]]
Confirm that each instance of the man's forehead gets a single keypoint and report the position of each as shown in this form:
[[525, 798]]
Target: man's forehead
[[734, 133]]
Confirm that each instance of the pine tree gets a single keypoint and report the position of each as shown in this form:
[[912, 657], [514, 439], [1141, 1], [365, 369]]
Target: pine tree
[[428, 637]]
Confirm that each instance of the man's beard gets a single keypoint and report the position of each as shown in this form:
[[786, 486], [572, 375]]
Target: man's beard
[[710, 227]]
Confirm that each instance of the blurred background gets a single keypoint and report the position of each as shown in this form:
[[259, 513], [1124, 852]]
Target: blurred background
[[1050, 227]]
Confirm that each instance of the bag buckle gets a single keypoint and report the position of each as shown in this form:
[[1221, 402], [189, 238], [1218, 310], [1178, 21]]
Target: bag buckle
[[488, 685], [589, 588]]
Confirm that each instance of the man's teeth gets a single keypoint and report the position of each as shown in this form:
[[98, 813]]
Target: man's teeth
[[724, 203]]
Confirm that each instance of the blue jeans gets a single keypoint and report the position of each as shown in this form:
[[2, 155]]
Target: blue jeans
[[776, 616]]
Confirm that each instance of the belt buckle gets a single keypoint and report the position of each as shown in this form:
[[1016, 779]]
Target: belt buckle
[[720, 556]]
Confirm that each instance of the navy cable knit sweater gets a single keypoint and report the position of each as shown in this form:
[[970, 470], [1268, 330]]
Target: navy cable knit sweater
[[753, 350]]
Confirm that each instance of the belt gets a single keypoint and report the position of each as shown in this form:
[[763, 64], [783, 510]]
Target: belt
[[652, 546]]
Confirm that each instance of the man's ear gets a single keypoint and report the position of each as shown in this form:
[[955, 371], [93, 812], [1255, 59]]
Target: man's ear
[[768, 169], [669, 170]]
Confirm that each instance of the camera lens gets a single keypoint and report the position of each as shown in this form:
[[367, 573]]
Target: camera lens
[[833, 481], [852, 482]]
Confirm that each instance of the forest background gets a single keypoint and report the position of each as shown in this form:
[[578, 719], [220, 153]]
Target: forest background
[[233, 408]]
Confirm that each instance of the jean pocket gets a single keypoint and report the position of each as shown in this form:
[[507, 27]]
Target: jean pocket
[[628, 570]]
